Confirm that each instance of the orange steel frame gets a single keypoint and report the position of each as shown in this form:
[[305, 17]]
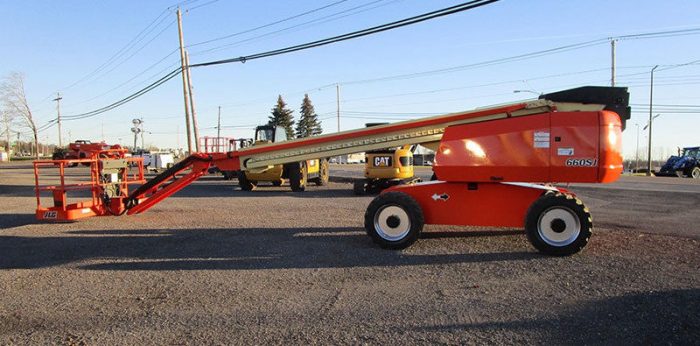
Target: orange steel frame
[[95, 205]]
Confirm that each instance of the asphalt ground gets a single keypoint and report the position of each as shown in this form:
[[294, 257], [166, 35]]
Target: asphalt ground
[[216, 265]]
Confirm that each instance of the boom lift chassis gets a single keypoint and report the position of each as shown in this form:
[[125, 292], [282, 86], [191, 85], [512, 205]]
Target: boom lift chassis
[[492, 166]]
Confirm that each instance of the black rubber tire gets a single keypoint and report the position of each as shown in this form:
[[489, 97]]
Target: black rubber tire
[[228, 175], [695, 173], [323, 173], [358, 187], [553, 201], [244, 183], [277, 183], [298, 175], [408, 205]]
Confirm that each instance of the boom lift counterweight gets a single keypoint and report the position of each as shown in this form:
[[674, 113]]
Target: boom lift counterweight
[[491, 162]]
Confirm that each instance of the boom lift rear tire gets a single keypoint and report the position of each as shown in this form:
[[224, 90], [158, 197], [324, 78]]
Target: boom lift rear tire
[[695, 173], [394, 220], [298, 175], [558, 224], [244, 183]]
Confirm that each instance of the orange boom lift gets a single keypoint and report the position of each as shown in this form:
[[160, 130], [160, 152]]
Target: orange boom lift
[[493, 165]]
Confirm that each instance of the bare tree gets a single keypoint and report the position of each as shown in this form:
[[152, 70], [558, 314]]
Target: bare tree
[[15, 101], [7, 123]]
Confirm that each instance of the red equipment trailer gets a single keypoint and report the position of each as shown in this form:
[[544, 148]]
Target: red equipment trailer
[[492, 165]]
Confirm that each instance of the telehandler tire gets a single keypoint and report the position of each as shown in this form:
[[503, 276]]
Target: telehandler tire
[[244, 183], [358, 187], [323, 173], [298, 175]]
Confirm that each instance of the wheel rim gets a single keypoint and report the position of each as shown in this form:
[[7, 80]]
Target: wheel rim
[[392, 223], [696, 173], [558, 226]]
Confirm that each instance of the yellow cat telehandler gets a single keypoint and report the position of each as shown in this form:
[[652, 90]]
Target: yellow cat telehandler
[[299, 174]]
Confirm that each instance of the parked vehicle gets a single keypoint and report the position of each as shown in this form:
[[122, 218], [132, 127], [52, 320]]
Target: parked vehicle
[[687, 164], [84, 149]]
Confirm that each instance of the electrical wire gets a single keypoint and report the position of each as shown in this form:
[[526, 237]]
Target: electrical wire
[[389, 26], [266, 25], [138, 38], [356, 34], [326, 19]]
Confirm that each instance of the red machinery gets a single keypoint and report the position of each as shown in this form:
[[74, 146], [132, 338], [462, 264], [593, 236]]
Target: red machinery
[[84, 149], [491, 163]]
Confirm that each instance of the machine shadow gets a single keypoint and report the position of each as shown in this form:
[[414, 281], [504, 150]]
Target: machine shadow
[[17, 190], [638, 318], [16, 220], [217, 249], [219, 188]]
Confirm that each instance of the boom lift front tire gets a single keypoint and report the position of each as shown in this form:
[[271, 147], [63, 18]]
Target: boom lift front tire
[[394, 220], [323, 174], [558, 224], [244, 183], [298, 175]]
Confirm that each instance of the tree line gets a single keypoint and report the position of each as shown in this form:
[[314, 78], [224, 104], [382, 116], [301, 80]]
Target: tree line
[[308, 124]]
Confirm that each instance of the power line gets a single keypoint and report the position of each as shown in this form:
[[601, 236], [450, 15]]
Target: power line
[[377, 29], [356, 34], [266, 25], [325, 19], [138, 38]]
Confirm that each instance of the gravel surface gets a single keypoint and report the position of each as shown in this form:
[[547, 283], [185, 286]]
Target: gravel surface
[[215, 265]]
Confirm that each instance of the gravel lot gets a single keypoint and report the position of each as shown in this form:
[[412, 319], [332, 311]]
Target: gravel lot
[[215, 265]]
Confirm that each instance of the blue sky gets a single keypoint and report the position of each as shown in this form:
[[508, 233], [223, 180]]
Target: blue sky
[[56, 43]]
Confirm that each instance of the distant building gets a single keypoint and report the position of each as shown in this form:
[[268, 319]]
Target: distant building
[[423, 156]]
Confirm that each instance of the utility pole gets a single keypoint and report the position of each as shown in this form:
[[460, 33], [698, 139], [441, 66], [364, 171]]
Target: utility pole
[[337, 103], [218, 131], [184, 80], [193, 113], [58, 118], [612, 70], [651, 105]]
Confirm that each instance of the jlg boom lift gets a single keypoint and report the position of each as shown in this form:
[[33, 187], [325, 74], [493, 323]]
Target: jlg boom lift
[[491, 163]]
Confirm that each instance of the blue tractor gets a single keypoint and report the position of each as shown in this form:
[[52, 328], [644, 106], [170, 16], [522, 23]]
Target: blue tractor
[[685, 165]]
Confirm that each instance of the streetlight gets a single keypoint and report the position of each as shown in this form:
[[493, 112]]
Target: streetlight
[[636, 153], [651, 105], [527, 91], [651, 119]]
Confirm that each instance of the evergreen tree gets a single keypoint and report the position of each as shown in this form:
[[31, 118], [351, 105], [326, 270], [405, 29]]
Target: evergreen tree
[[308, 124], [282, 116]]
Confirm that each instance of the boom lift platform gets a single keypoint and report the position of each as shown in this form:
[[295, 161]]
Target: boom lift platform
[[492, 164]]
